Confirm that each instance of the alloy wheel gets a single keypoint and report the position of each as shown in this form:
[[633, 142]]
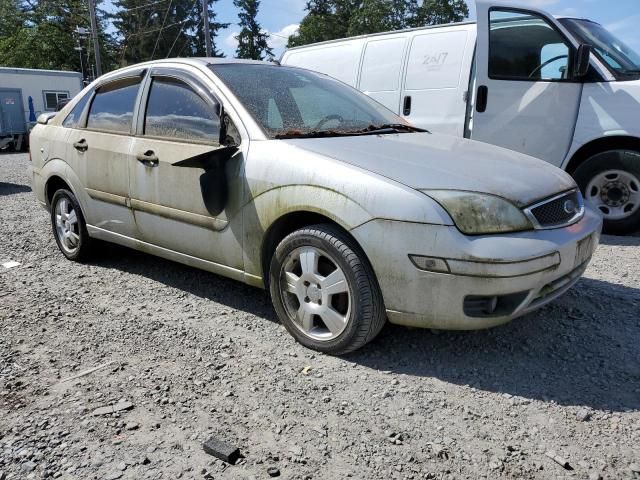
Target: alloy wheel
[[315, 292], [67, 226]]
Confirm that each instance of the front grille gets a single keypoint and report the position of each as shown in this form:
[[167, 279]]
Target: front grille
[[557, 211]]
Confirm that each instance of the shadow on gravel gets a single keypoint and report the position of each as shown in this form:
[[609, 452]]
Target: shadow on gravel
[[13, 188], [197, 282], [582, 350], [632, 240]]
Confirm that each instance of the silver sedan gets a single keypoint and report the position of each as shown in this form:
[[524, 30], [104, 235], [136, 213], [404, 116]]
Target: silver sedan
[[289, 180]]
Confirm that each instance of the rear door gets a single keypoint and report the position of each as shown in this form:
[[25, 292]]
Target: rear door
[[98, 148], [526, 97]]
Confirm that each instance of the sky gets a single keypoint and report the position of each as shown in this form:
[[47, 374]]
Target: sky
[[281, 18]]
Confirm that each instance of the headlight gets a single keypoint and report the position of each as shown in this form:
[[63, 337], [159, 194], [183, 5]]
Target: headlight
[[477, 213]]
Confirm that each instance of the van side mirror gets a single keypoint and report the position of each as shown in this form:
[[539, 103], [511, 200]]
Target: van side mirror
[[582, 61]]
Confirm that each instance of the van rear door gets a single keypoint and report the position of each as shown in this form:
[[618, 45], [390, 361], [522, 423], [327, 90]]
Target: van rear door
[[526, 97]]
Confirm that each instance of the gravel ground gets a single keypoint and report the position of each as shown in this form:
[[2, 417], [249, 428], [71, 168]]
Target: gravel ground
[[197, 356]]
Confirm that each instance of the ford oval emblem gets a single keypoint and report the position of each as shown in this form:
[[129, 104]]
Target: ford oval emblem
[[570, 206]]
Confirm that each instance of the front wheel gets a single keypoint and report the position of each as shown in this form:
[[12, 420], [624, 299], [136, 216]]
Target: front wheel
[[324, 290], [610, 182]]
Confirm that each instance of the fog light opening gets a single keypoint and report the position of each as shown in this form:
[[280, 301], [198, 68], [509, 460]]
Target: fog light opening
[[430, 264], [477, 306]]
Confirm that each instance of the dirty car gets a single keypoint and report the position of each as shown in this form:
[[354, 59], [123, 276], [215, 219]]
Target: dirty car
[[288, 180]]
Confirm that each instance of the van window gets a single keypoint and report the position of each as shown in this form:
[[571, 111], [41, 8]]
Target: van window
[[175, 110], [112, 106], [435, 60], [381, 65], [526, 47]]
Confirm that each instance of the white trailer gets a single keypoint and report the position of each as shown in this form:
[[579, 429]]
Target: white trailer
[[561, 89], [45, 87]]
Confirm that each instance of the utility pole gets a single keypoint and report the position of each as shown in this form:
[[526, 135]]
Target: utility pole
[[205, 21], [94, 33]]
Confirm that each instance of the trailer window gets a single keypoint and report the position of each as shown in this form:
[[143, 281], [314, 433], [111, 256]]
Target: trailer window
[[52, 98]]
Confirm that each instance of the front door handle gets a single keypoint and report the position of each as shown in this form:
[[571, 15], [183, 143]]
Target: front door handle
[[148, 159], [406, 108], [482, 98], [81, 145]]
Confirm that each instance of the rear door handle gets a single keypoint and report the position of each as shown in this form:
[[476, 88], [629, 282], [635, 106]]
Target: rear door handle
[[482, 98], [81, 145], [148, 159], [406, 108]]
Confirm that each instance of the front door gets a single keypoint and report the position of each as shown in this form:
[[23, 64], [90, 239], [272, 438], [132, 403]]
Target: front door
[[178, 184], [526, 98]]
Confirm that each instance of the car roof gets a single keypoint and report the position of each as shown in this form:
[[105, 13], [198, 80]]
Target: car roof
[[195, 61]]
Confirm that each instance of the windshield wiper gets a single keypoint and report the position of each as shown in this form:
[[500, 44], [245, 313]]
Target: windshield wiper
[[368, 130], [393, 127], [294, 133]]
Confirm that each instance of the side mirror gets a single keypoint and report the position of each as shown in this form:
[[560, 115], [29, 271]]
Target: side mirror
[[44, 118], [582, 61]]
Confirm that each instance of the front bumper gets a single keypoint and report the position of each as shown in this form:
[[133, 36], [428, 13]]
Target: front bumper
[[523, 271]]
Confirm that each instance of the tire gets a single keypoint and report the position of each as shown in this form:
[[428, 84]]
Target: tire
[[610, 181], [77, 244], [339, 289]]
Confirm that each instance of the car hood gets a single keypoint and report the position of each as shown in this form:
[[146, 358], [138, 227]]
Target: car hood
[[426, 161]]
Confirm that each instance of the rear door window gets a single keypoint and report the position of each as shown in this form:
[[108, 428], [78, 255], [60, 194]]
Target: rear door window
[[112, 106]]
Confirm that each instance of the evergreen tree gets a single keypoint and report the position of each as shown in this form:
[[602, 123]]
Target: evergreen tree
[[252, 40], [169, 28], [40, 34], [332, 19]]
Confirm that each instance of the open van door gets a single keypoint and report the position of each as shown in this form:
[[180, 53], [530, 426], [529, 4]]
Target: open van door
[[527, 89]]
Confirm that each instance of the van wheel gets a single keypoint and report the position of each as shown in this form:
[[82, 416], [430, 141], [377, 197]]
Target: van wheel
[[69, 227], [610, 182], [324, 290]]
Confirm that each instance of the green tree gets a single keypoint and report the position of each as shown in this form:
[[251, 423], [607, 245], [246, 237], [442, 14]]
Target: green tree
[[199, 45], [40, 34], [252, 40], [169, 28], [436, 12], [332, 19]]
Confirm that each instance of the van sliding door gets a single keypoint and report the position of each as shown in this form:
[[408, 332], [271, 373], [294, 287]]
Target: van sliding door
[[436, 79], [382, 69]]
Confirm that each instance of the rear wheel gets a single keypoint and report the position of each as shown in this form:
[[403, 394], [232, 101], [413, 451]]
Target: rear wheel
[[325, 291], [610, 182], [69, 227]]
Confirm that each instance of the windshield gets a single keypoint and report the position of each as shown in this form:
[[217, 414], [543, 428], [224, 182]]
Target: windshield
[[292, 102], [619, 57]]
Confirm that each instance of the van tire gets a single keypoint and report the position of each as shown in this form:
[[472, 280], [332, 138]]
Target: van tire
[[610, 180], [365, 315]]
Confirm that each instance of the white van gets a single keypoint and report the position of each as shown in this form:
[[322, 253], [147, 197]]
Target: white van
[[562, 89]]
